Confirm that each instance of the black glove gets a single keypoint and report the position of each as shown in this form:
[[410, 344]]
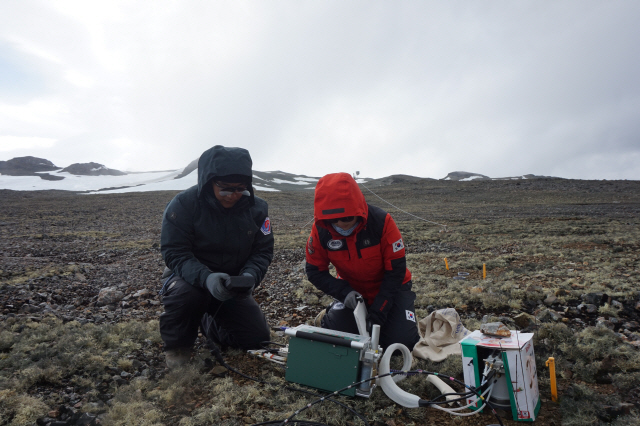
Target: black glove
[[379, 309], [351, 301], [377, 317], [243, 294], [216, 284]]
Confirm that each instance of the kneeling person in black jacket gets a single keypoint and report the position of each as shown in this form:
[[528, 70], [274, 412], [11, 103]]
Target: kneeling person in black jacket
[[213, 233]]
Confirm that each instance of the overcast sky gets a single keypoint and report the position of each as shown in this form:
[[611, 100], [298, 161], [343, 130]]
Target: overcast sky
[[422, 88]]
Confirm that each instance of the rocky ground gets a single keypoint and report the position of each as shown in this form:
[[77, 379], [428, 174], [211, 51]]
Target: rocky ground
[[91, 265]]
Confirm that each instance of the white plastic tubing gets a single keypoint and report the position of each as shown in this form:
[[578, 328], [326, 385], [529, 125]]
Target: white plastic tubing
[[388, 383]]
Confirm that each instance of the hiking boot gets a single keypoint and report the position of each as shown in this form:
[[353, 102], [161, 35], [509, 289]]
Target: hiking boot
[[177, 357], [318, 321]]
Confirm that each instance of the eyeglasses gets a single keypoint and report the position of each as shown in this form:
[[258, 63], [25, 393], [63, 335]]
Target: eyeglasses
[[341, 219], [230, 190]]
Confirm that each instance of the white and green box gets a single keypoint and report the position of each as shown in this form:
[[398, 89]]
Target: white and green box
[[521, 384]]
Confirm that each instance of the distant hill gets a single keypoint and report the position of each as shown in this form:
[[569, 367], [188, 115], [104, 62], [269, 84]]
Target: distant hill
[[26, 166], [112, 180], [91, 169], [393, 179], [466, 176], [274, 181], [34, 166]]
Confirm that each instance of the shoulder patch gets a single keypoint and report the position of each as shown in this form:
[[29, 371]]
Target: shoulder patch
[[334, 244], [266, 226], [310, 246], [398, 245]]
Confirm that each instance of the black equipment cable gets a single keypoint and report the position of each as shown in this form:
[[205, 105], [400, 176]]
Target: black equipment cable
[[422, 403], [215, 351]]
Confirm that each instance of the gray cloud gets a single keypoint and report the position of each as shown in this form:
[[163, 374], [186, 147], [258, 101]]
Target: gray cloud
[[421, 88]]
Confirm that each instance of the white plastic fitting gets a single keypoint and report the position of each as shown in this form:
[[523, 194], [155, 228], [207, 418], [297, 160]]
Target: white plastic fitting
[[388, 383], [391, 389]]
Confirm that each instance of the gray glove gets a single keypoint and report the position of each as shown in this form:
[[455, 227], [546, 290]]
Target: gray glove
[[351, 301], [216, 284]]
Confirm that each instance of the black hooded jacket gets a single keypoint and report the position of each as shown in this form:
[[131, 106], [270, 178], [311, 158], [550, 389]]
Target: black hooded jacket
[[200, 236]]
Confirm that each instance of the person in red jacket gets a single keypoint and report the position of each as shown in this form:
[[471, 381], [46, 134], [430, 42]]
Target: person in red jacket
[[366, 248]]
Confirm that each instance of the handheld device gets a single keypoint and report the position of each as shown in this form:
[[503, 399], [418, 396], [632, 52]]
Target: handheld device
[[240, 283]]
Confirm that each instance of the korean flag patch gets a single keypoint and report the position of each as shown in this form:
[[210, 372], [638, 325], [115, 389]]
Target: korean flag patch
[[411, 316], [266, 227], [398, 245]]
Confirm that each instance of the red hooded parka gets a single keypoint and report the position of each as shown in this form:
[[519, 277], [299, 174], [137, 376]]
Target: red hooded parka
[[371, 260]]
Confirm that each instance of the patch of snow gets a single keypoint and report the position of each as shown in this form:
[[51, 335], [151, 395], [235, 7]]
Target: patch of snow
[[264, 188], [276, 180], [306, 179], [471, 178], [160, 184], [93, 183]]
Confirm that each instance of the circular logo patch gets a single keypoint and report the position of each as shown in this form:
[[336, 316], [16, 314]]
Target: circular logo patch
[[334, 244]]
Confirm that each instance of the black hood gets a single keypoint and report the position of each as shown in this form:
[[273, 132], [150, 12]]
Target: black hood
[[222, 161]]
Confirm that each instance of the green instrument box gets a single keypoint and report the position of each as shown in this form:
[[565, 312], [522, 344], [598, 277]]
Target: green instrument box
[[324, 359]]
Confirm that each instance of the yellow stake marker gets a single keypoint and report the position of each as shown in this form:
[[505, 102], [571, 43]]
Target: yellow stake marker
[[446, 263], [484, 271], [551, 363]]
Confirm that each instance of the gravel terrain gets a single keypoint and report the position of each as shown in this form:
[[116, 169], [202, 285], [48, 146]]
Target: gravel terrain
[[94, 261]]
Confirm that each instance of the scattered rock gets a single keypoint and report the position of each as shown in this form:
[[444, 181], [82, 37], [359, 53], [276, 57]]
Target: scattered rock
[[108, 296], [145, 292], [588, 308], [524, 320], [495, 329], [594, 298], [621, 409], [602, 322], [219, 371], [617, 305], [548, 315]]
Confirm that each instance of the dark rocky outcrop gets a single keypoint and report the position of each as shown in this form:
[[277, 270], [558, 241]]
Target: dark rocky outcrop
[[458, 176], [26, 166], [393, 179], [91, 169], [464, 175], [47, 176]]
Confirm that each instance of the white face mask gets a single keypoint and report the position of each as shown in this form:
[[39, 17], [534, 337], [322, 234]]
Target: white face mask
[[342, 231]]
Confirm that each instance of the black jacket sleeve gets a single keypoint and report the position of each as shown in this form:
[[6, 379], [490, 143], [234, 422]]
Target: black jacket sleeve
[[388, 289], [317, 269], [177, 241], [262, 248], [327, 283]]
